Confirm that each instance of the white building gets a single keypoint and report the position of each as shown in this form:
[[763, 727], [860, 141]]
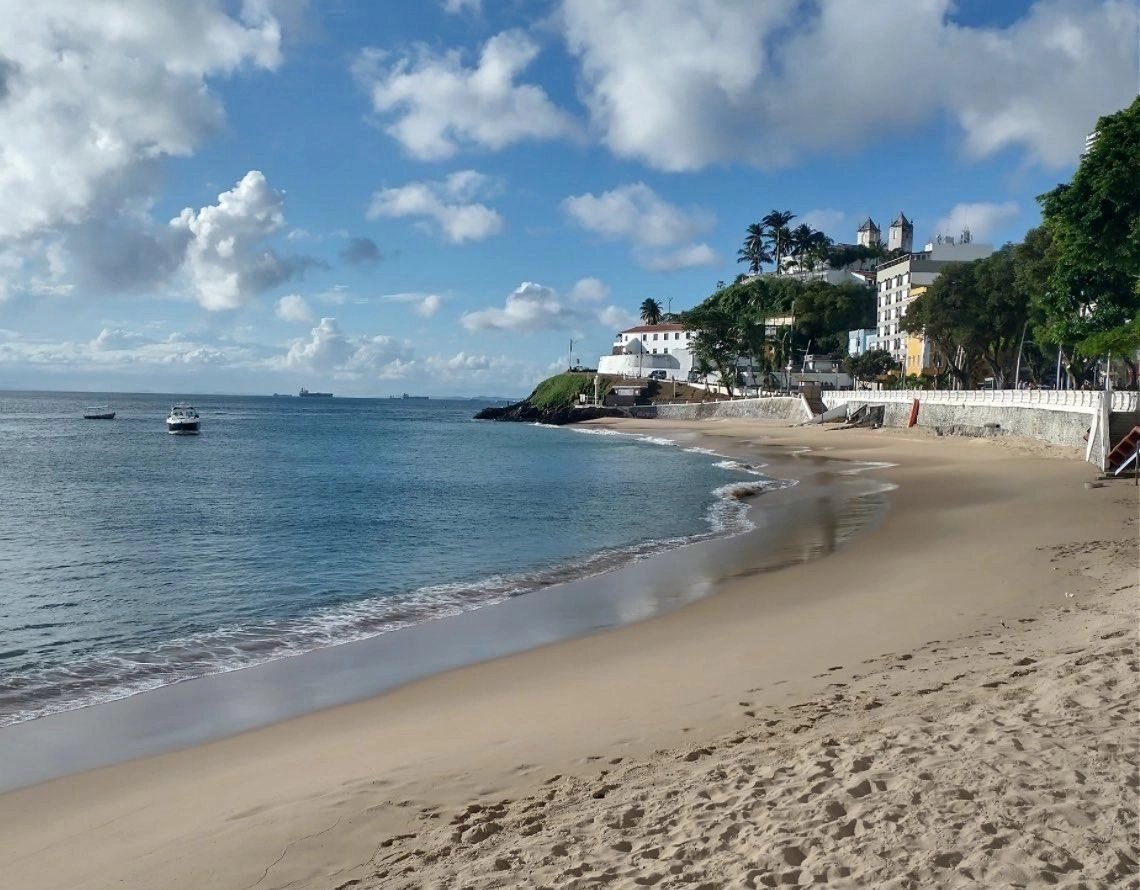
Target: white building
[[896, 277], [658, 347]]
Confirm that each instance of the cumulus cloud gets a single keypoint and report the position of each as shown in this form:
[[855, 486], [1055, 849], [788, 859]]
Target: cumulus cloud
[[767, 83], [426, 305], [530, 307], [361, 250], [692, 256], [589, 290], [294, 308], [440, 104], [461, 5], [328, 350], [982, 219], [830, 222], [616, 317], [635, 213], [226, 259], [447, 205], [125, 350], [93, 96]]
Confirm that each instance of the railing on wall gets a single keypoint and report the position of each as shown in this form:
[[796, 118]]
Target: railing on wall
[[1072, 399]]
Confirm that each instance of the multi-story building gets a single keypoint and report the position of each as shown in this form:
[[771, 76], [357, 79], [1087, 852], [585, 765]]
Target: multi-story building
[[860, 341], [897, 277]]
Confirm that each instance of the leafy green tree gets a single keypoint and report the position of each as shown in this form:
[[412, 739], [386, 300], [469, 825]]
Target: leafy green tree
[[719, 340], [975, 312], [1093, 298], [826, 312], [840, 256], [651, 311], [871, 365]]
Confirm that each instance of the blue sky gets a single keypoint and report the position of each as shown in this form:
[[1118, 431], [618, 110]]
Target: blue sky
[[437, 196]]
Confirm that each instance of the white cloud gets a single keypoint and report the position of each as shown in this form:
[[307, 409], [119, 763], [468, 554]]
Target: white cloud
[[589, 290], [689, 257], [426, 305], [616, 317], [830, 222], [94, 95], [439, 104], [461, 5], [447, 203], [328, 350], [530, 307], [294, 308], [982, 219], [769, 83], [635, 213], [225, 256]]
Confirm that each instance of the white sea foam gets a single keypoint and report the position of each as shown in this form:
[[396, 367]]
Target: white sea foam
[[67, 687]]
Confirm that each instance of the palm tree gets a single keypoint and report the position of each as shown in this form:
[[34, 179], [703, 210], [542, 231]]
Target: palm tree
[[809, 246], [777, 235], [754, 252], [650, 311]]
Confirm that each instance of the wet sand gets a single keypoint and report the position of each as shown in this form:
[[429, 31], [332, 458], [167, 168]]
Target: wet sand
[[949, 700]]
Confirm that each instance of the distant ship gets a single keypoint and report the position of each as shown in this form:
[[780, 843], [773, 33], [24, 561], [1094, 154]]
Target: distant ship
[[413, 398], [304, 393]]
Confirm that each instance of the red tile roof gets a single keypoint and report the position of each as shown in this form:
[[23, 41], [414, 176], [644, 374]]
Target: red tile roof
[[650, 328]]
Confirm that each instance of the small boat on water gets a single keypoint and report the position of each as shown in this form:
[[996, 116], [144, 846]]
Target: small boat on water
[[98, 412], [183, 420]]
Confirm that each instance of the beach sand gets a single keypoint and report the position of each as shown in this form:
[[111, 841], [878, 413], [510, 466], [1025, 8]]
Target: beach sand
[[948, 701]]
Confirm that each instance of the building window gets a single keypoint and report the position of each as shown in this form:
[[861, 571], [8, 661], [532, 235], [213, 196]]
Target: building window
[[665, 350], [643, 337], [677, 336], [655, 352], [654, 336]]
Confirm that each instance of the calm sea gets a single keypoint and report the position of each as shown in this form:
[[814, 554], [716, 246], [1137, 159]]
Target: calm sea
[[131, 559]]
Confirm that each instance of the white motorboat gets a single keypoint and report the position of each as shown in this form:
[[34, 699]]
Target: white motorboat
[[98, 412], [183, 420]]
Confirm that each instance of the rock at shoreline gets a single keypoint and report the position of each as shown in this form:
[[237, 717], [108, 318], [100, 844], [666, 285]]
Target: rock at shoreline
[[525, 412]]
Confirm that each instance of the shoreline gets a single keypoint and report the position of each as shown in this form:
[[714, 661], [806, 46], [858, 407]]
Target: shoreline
[[218, 651], [360, 775], [608, 590]]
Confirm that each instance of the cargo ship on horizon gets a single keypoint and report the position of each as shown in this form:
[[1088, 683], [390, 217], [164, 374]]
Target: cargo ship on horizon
[[304, 393]]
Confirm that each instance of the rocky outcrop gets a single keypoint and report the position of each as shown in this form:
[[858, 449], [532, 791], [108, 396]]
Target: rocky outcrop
[[525, 412]]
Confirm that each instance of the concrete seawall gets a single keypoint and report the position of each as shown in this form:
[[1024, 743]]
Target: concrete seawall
[[1093, 421], [788, 409]]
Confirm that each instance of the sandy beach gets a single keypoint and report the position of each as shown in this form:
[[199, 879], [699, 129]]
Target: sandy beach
[[948, 701]]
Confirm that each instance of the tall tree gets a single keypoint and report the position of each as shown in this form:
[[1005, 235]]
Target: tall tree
[[650, 311], [719, 339], [975, 312], [1093, 297], [754, 251], [777, 234]]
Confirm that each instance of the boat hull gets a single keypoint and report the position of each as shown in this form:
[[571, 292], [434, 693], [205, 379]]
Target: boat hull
[[182, 429], [108, 416]]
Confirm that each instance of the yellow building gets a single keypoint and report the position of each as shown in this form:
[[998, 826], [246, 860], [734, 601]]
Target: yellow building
[[918, 358]]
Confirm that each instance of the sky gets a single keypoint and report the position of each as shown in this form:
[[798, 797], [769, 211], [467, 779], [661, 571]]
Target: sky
[[373, 197]]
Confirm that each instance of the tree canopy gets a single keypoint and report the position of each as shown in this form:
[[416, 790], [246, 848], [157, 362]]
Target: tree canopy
[[1093, 290], [651, 311]]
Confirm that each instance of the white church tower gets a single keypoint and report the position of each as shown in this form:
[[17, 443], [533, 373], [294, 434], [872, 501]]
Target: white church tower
[[868, 234], [900, 236]]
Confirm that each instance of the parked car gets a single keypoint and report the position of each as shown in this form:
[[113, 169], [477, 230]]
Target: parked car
[[657, 375]]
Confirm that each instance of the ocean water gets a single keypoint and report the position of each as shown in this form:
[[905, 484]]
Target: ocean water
[[131, 559]]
